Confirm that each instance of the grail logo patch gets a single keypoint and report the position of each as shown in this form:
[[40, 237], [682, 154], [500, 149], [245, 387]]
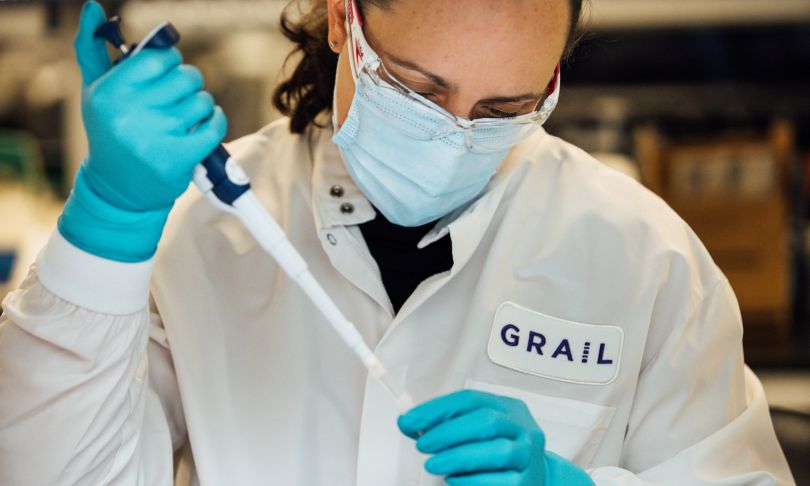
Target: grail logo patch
[[534, 343]]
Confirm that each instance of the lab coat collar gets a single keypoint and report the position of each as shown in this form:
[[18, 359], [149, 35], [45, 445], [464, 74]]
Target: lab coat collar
[[466, 224], [328, 172]]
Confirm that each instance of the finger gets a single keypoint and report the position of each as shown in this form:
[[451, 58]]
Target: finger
[[481, 424], [91, 51], [190, 111], [148, 64], [487, 456], [204, 139], [500, 478], [431, 413], [176, 85]]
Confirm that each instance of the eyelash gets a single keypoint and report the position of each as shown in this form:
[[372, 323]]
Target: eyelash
[[491, 113], [494, 113]]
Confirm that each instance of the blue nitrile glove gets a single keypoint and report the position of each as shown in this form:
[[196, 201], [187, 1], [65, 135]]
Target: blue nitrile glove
[[481, 439], [138, 116]]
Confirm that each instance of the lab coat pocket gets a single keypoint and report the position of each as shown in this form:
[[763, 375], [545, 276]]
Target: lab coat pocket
[[574, 429]]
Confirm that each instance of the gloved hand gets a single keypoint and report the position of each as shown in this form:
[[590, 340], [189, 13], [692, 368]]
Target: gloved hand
[[480, 439], [138, 116]]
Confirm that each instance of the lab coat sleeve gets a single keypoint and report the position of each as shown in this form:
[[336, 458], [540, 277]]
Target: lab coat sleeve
[[76, 405], [700, 416]]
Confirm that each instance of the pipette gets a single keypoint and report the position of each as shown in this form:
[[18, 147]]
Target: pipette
[[225, 184]]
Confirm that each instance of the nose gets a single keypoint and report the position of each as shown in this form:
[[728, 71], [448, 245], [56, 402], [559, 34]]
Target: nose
[[458, 105]]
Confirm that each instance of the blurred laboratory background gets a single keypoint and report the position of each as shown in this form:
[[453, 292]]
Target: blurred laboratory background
[[706, 102]]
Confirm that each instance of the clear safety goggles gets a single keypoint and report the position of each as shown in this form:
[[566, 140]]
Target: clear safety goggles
[[479, 134]]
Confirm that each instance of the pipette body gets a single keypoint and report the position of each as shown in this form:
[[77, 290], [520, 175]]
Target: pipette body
[[225, 184]]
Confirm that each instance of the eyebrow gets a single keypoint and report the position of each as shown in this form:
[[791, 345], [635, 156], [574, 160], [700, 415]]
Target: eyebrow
[[443, 83]]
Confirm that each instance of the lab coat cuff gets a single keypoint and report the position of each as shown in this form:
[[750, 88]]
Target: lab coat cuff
[[92, 282]]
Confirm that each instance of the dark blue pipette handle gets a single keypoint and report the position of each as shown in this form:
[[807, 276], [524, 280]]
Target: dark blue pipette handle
[[221, 179], [224, 177]]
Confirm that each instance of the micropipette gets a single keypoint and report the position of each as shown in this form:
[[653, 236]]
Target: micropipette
[[225, 184]]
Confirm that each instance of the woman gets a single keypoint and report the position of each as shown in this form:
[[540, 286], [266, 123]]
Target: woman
[[557, 323]]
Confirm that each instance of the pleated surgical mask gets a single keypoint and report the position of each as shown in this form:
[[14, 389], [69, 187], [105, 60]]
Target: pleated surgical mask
[[412, 159]]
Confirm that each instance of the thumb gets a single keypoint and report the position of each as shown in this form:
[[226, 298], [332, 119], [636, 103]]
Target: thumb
[[91, 52]]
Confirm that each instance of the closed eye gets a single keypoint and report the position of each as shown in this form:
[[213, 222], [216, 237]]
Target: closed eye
[[496, 113], [428, 95]]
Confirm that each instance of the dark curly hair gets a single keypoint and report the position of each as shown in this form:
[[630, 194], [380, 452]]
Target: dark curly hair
[[309, 89]]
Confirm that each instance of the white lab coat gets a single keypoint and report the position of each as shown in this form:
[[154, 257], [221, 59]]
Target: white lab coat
[[245, 369]]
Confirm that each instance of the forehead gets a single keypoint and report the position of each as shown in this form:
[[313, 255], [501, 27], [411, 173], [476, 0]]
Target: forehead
[[465, 39]]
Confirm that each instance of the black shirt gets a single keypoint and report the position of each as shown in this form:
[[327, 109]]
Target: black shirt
[[404, 266]]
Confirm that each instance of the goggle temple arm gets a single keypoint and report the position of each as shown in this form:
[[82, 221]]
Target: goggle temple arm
[[358, 47], [359, 50]]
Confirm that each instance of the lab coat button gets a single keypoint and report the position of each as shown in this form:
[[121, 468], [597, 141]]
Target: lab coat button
[[336, 191], [331, 238], [347, 208]]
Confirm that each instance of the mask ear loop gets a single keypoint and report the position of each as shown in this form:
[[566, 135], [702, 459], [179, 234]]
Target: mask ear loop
[[355, 54], [335, 125]]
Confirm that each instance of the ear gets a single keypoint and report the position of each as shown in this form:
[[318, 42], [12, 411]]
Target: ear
[[337, 24]]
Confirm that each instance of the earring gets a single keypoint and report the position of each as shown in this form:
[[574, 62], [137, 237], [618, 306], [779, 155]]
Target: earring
[[333, 45]]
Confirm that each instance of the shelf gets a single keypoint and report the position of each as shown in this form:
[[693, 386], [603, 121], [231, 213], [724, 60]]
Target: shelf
[[622, 14], [197, 16], [681, 101]]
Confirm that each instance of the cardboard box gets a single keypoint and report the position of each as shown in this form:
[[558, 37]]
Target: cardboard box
[[731, 191]]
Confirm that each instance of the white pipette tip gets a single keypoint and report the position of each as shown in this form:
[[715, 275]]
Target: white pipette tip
[[375, 367], [404, 402], [402, 399]]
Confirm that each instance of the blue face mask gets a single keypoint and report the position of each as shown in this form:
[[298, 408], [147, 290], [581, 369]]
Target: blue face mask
[[412, 159], [411, 181]]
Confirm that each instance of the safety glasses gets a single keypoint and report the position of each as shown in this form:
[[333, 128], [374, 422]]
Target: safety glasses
[[479, 134]]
